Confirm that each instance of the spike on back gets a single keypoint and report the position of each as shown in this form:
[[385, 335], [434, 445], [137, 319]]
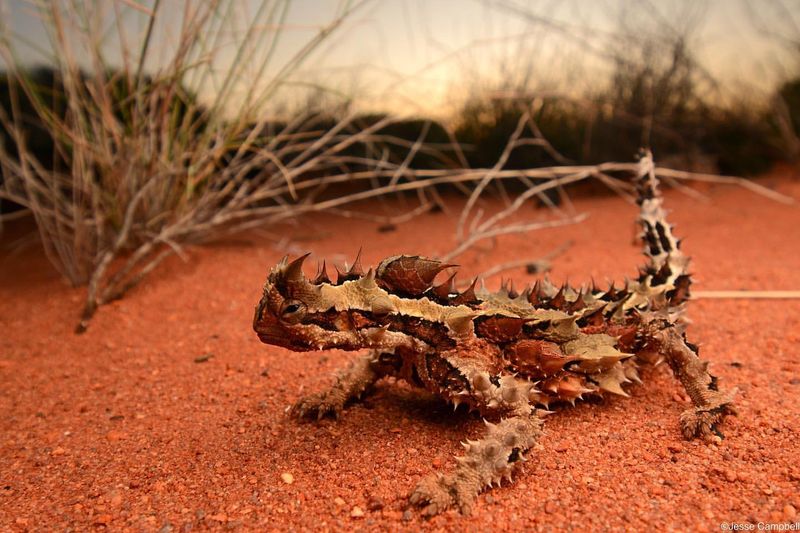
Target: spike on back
[[409, 274], [293, 272], [503, 287], [468, 296], [536, 295], [341, 277], [611, 293], [322, 275], [356, 269], [512, 292], [595, 289], [559, 301], [443, 291], [524, 295], [578, 304]]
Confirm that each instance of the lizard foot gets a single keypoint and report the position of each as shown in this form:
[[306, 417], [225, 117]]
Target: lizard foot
[[485, 463], [319, 405], [703, 421], [437, 493]]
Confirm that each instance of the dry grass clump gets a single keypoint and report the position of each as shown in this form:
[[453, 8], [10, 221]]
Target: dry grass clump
[[136, 166]]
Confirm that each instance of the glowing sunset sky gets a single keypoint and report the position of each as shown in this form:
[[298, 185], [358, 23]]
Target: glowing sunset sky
[[415, 56]]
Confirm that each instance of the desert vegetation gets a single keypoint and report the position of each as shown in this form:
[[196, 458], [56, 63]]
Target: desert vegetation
[[122, 168], [123, 157]]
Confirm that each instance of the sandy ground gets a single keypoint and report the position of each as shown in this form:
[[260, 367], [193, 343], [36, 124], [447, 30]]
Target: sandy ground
[[169, 415]]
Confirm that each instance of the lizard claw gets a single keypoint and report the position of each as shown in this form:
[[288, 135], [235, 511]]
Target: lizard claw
[[432, 495], [703, 421], [437, 493], [318, 406]]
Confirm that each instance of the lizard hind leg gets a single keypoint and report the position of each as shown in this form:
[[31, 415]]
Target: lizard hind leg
[[485, 463], [711, 405]]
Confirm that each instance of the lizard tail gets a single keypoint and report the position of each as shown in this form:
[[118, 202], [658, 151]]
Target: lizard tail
[[666, 264]]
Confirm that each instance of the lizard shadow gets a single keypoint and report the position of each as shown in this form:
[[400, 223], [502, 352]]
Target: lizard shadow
[[402, 400]]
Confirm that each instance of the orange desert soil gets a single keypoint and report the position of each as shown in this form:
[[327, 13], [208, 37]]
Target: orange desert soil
[[169, 414]]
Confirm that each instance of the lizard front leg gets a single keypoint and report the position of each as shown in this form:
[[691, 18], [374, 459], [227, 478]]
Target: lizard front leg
[[490, 459], [711, 405], [351, 383]]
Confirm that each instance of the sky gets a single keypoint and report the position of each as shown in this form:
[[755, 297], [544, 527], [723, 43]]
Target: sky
[[425, 57]]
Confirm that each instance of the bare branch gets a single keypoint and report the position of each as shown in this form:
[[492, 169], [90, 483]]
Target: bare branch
[[505, 230]]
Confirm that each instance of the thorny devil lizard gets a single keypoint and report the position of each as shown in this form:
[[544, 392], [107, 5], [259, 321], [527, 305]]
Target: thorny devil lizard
[[508, 355]]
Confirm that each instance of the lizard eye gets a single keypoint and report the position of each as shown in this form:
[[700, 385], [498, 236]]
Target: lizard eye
[[293, 311]]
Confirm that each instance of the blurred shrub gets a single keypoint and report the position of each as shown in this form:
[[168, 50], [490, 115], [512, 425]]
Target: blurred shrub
[[657, 97], [40, 99]]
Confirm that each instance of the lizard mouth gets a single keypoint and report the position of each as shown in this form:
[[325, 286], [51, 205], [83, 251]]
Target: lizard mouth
[[284, 342], [268, 339], [283, 337]]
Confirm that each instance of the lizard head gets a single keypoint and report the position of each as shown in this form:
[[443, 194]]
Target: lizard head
[[353, 313], [289, 313]]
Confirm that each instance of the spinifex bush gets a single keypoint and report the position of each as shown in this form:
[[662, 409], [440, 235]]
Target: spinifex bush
[[97, 170], [135, 165]]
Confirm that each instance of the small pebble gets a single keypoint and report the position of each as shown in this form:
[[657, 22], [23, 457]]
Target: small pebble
[[550, 507], [287, 478], [356, 512], [730, 475], [114, 436], [407, 515], [375, 504], [789, 511], [203, 358], [338, 501]]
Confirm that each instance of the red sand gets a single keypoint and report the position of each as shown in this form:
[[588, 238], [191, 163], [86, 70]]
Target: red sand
[[122, 428]]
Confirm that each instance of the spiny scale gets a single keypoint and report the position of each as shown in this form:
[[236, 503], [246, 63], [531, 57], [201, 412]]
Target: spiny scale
[[542, 332]]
